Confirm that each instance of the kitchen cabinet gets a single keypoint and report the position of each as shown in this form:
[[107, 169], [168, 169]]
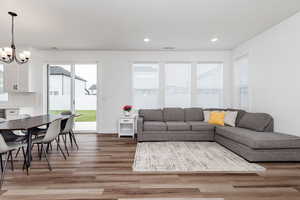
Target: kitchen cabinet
[[18, 78]]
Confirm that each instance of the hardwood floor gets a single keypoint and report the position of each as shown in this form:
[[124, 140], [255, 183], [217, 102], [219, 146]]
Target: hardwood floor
[[101, 169]]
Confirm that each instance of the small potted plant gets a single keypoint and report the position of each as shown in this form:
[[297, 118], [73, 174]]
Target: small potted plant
[[126, 110]]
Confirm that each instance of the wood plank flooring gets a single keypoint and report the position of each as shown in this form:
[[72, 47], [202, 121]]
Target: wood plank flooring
[[101, 169]]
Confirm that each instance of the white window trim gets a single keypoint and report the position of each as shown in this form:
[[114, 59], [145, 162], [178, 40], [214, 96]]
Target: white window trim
[[191, 77], [223, 83], [236, 93], [132, 78]]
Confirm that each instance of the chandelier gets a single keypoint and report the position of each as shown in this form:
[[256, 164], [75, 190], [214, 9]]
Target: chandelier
[[9, 54]]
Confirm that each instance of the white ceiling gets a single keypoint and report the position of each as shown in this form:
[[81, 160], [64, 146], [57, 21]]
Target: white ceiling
[[123, 24]]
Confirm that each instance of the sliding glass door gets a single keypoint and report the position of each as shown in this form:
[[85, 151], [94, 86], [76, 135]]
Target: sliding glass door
[[74, 87], [59, 88], [85, 95]]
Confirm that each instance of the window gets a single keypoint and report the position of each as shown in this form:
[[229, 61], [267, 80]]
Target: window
[[54, 93], [3, 94], [178, 85], [146, 85], [209, 85], [241, 82]]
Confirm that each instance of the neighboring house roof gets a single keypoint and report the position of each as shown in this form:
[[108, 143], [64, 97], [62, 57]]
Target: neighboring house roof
[[93, 87], [56, 70]]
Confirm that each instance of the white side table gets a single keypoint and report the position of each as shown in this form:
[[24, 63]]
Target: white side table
[[126, 126]]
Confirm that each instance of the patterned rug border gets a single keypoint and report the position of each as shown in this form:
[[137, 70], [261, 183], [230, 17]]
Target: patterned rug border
[[244, 165]]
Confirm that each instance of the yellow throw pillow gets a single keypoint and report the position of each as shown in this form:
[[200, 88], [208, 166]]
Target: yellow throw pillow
[[217, 118]]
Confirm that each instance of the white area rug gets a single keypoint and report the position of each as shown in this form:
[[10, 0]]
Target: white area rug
[[189, 157]]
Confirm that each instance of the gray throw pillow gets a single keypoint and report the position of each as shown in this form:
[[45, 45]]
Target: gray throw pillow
[[255, 121]]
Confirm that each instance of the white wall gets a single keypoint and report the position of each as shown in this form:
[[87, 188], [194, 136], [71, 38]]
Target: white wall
[[115, 75], [274, 73]]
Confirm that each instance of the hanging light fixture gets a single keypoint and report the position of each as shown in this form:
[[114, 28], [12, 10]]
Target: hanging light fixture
[[9, 54]]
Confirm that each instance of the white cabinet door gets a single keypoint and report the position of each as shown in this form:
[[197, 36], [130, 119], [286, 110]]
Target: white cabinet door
[[23, 78], [11, 77], [17, 78]]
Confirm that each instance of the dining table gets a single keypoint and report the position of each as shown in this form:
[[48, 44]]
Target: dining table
[[28, 125]]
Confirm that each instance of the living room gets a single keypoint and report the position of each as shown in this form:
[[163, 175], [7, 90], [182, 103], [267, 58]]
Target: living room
[[165, 60]]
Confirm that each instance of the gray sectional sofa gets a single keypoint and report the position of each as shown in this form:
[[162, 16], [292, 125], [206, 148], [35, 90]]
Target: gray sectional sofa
[[252, 137]]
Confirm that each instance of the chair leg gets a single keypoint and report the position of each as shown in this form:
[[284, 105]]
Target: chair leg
[[75, 141], [61, 149], [11, 161], [41, 152], [32, 146], [4, 169], [1, 162], [17, 153], [71, 139], [45, 153], [47, 148], [24, 155], [58, 141], [38, 145], [64, 137]]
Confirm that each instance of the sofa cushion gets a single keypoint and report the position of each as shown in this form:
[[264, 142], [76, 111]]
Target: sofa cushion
[[230, 118], [178, 126], [151, 114], [155, 126], [206, 115], [255, 121], [173, 114], [201, 126], [259, 140], [239, 115], [217, 118], [193, 114]]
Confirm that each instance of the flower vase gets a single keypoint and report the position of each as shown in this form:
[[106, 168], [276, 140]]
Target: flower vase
[[126, 113]]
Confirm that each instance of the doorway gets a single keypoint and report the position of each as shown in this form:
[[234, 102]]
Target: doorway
[[74, 87]]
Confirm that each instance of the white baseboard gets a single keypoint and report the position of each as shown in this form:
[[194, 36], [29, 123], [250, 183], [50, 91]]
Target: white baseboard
[[108, 131]]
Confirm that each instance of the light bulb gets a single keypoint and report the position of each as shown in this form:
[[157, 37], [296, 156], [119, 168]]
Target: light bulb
[[22, 56], [3, 54], [146, 40], [8, 51], [27, 54]]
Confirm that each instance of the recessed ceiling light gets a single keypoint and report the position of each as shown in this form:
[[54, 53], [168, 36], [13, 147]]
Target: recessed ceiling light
[[146, 40], [214, 39]]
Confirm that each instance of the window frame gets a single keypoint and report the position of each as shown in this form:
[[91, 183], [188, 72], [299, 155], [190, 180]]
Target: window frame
[[222, 104], [237, 82], [190, 86], [193, 79], [4, 92], [132, 81]]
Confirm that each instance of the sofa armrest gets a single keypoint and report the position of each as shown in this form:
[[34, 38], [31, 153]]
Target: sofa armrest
[[140, 125]]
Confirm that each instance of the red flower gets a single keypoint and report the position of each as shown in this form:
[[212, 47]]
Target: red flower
[[127, 108]]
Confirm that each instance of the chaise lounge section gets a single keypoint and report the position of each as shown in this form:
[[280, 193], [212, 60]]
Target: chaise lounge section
[[252, 137]]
